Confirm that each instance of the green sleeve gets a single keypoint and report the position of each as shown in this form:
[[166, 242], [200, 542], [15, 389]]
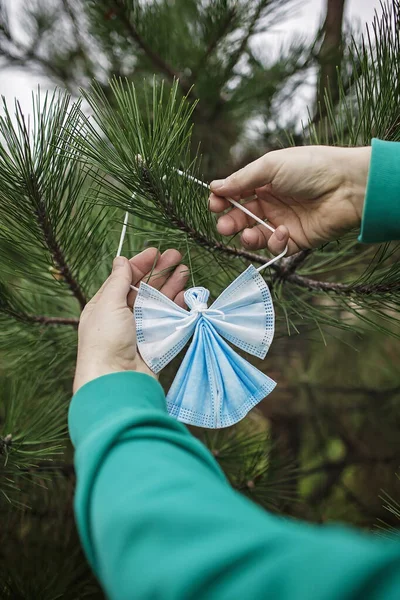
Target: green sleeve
[[158, 519], [381, 214]]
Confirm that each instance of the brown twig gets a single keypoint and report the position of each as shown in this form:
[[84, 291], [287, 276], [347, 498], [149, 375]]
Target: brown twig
[[156, 59], [291, 264], [55, 249], [213, 44], [42, 319], [281, 271], [330, 54], [53, 320], [237, 55]]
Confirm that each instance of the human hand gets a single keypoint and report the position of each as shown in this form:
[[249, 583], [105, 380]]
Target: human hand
[[310, 194], [107, 333]]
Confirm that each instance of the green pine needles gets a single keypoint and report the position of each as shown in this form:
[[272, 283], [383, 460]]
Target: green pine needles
[[68, 173]]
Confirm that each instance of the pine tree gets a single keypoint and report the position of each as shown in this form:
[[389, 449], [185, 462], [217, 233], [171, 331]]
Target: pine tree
[[70, 172]]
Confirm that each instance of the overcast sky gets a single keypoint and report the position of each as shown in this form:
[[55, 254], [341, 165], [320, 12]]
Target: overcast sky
[[20, 83]]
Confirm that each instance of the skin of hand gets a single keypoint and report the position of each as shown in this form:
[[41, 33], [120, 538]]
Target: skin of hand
[[310, 194], [107, 333]]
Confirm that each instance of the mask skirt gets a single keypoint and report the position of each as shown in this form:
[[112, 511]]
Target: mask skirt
[[214, 386]]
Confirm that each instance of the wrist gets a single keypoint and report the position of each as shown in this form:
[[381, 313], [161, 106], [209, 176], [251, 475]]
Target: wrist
[[93, 370], [357, 161]]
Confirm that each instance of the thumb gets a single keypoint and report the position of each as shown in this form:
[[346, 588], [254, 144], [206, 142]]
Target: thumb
[[118, 284], [254, 175]]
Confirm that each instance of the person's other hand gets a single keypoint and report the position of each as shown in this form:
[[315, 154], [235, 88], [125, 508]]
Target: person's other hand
[[107, 333], [310, 194]]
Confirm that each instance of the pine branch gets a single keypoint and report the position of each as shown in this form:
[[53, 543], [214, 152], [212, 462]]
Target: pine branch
[[55, 249], [224, 28], [54, 320], [283, 272], [236, 56], [289, 265], [346, 289], [162, 197], [42, 319], [29, 57], [79, 39], [156, 59]]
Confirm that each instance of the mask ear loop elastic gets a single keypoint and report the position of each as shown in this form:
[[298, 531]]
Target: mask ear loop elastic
[[247, 212], [122, 238], [232, 201]]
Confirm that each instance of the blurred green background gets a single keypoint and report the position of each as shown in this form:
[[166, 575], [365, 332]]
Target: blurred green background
[[268, 73]]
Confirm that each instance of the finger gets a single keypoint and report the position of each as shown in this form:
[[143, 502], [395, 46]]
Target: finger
[[259, 237], [165, 265], [278, 240], [142, 263], [180, 300], [176, 283], [236, 220], [117, 286], [255, 238], [218, 204], [256, 174]]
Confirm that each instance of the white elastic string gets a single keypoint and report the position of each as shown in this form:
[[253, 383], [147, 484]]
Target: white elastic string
[[246, 211], [123, 233], [122, 238], [233, 202]]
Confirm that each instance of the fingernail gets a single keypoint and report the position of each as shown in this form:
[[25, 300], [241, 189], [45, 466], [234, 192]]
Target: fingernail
[[245, 234], [281, 235], [217, 183], [118, 261]]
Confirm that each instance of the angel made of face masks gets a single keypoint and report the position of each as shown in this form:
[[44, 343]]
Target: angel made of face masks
[[214, 386]]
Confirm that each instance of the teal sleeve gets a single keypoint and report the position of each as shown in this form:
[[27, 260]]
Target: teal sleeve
[[158, 519], [381, 214]]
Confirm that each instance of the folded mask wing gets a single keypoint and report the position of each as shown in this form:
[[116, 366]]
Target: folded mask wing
[[157, 319], [249, 318], [214, 386]]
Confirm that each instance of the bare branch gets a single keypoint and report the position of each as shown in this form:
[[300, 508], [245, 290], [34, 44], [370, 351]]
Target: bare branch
[[236, 56], [213, 44], [156, 59], [330, 54]]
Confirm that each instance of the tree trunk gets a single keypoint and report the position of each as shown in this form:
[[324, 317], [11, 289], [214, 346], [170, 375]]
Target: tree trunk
[[330, 54]]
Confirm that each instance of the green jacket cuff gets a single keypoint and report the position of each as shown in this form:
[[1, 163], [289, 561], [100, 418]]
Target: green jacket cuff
[[95, 401], [381, 214]]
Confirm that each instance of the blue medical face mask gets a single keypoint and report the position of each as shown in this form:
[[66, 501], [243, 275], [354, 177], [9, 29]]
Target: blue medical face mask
[[214, 386]]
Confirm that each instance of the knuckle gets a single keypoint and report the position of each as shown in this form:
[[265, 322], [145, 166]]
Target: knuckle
[[235, 178]]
